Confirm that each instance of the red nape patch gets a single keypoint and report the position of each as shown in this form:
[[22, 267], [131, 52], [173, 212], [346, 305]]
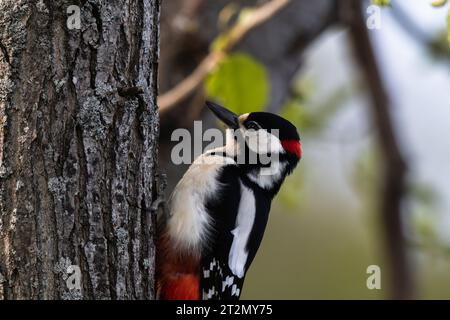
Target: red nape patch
[[293, 146], [183, 287]]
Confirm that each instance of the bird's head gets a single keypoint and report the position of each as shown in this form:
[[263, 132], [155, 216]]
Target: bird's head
[[264, 133]]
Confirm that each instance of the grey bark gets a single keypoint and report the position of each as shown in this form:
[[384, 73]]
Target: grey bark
[[78, 148]]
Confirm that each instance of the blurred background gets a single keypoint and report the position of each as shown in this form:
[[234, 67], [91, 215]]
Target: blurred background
[[367, 86]]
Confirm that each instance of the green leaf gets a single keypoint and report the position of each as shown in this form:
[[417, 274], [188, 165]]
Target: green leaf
[[439, 3], [240, 83], [382, 3], [448, 27]]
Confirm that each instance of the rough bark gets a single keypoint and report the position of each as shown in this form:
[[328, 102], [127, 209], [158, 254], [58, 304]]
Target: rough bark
[[78, 148]]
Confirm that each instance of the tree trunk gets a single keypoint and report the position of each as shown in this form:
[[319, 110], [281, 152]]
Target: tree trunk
[[78, 149]]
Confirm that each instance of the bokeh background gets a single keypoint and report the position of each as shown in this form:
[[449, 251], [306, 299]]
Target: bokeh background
[[326, 67]]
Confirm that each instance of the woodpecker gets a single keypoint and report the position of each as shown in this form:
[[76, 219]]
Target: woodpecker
[[220, 207]]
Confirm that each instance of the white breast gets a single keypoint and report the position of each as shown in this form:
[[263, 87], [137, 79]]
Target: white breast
[[244, 224], [189, 222]]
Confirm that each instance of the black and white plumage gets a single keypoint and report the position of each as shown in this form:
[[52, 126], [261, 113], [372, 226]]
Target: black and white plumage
[[220, 208]]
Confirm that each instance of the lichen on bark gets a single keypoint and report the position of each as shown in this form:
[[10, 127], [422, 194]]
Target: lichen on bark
[[77, 159]]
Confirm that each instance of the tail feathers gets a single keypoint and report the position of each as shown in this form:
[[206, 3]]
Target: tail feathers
[[181, 287]]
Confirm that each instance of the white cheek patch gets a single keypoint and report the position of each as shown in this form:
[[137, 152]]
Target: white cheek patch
[[263, 142]]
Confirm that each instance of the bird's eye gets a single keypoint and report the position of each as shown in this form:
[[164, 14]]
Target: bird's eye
[[252, 125]]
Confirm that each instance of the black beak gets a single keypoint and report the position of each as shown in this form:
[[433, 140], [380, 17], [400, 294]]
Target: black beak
[[225, 115]]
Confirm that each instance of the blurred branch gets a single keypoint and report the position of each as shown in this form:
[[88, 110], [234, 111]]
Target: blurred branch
[[395, 168], [188, 85], [234, 36]]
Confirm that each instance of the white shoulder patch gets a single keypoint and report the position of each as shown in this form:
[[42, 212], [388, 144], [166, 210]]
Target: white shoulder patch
[[189, 222], [244, 224]]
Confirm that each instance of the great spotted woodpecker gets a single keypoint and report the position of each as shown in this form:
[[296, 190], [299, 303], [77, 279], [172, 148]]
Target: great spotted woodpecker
[[219, 209]]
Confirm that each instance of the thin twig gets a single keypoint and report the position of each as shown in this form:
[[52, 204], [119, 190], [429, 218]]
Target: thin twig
[[234, 36]]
